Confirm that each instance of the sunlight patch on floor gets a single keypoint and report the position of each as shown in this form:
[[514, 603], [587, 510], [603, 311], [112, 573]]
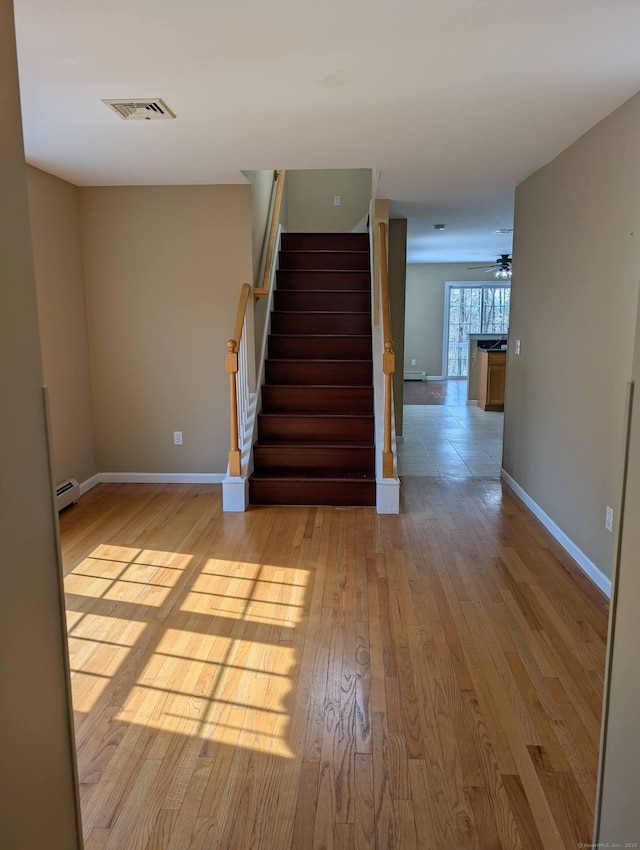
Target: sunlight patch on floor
[[221, 667]]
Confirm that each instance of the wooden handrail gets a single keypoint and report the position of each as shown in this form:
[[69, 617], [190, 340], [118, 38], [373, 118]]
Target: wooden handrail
[[242, 309], [232, 369], [263, 291], [384, 283], [388, 358]]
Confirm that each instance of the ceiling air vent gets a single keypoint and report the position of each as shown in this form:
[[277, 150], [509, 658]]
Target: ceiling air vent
[[140, 110]]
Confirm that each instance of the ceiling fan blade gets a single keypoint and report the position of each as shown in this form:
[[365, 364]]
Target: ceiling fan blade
[[481, 268]]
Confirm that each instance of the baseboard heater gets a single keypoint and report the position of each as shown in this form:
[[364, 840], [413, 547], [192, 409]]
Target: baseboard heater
[[67, 492], [415, 376]]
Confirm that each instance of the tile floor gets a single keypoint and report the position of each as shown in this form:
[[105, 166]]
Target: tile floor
[[454, 441]]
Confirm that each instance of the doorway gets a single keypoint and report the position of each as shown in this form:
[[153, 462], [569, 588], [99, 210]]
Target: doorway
[[446, 432]]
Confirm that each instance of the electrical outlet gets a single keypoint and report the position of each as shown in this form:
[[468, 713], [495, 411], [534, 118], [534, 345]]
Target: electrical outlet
[[413, 361], [336, 200], [608, 521], [517, 347], [177, 438]]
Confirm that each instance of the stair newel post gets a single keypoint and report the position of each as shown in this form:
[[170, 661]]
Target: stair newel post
[[388, 368], [388, 358], [232, 369]]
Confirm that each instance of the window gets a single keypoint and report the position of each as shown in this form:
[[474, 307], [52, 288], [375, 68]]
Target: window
[[472, 308]]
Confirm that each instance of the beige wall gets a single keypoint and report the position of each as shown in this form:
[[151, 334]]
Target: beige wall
[[425, 311], [310, 199], [57, 252], [574, 290], [262, 186], [38, 806], [620, 757], [163, 272], [397, 288], [575, 287]]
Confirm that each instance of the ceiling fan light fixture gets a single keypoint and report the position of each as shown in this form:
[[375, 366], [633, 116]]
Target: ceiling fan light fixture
[[501, 269]]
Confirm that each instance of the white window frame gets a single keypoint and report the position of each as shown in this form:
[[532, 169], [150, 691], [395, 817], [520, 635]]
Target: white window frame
[[461, 284]]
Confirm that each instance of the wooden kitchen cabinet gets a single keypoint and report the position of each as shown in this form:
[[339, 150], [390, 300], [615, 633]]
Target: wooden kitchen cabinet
[[492, 370]]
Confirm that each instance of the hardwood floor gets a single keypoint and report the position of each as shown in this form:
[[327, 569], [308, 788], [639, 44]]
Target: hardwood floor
[[452, 391], [329, 678]]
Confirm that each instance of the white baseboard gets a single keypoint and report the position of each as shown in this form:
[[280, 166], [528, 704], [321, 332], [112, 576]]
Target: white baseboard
[[586, 565], [152, 478], [436, 378], [85, 486]]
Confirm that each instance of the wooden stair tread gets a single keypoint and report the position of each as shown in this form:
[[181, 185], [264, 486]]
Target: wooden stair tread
[[322, 300], [321, 336], [293, 239], [324, 271], [316, 415], [344, 346], [321, 312], [330, 233], [358, 387], [313, 359], [333, 292], [314, 443], [361, 251], [292, 254], [331, 279], [287, 475], [326, 260]]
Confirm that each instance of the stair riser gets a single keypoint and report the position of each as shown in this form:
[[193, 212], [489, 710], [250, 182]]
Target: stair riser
[[339, 260], [351, 493], [321, 323], [309, 460], [315, 428], [327, 280], [314, 372], [350, 400], [325, 241], [326, 302], [324, 347]]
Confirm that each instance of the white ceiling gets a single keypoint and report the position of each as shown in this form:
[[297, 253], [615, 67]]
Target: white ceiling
[[456, 101]]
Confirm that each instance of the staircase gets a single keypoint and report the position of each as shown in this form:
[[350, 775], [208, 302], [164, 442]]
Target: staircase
[[315, 432]]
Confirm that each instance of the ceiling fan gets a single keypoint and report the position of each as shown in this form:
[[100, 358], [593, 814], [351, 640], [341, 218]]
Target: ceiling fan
[[501, 268]]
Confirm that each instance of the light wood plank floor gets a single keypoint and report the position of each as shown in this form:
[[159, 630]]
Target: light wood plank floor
[[327, 678]]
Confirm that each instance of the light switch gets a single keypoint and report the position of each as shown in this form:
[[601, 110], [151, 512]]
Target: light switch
[[517, 347], [608, 519]]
